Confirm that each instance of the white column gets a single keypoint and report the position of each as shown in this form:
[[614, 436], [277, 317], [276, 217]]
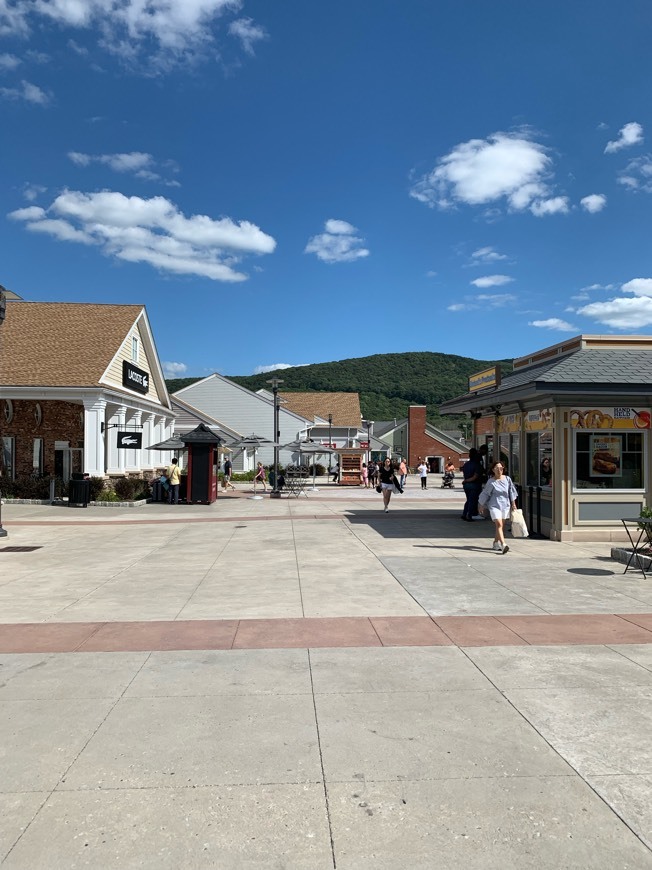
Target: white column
[[133, 460], [94, 413], [110, 440], [150, 457], [121, 419]]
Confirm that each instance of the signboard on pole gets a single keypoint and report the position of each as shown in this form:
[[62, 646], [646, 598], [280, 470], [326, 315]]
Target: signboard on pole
[[130, 440]]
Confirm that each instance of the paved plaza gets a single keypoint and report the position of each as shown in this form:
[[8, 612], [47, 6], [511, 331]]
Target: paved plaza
[[312, 683]]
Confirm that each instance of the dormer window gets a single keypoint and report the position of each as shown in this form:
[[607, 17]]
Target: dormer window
[[134, 348]]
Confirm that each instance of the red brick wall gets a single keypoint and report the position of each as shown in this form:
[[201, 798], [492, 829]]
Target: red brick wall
[[485, 425], [61, 421], [420, 444]]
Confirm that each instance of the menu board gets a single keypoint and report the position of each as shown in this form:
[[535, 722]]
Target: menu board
[[606, 456], [509, 423], [539, 420]]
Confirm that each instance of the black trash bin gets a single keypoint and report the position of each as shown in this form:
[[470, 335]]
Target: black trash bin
[[79, 493], [158, 493]]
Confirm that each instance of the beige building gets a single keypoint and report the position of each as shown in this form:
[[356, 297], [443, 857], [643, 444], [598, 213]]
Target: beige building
[[81, 390]]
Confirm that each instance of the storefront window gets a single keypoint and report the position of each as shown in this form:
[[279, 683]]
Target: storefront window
[[610, 460], [539, 459], [510, 450]]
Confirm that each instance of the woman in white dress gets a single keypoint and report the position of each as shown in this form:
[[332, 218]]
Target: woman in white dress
[[498, 498]]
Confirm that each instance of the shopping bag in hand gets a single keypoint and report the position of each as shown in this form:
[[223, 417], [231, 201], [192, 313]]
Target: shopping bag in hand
[[519, 527]]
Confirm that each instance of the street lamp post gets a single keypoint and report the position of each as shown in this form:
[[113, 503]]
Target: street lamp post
[[330, 441], [3, 309], [370, 423], [275, 493]]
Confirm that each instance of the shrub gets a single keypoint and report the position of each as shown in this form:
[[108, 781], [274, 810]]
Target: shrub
[[27, 487], [97, 486], [320, 470], [107, 495], [125, 488]]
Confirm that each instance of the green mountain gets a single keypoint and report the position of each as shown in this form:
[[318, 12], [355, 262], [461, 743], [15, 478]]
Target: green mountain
[[387, 383]]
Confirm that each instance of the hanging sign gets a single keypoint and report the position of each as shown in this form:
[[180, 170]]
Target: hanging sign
[[130, 440], [134, 378], [611, 418]]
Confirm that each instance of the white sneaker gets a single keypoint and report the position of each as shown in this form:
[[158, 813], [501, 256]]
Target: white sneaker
[[498, 547], [479, 517], [386, 510]]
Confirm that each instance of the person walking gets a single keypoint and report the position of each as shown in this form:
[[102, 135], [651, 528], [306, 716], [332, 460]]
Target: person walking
[[386, 481], [228, 471], [423, 474], [336, 473], [261, 476], [471, 484], [365, 476], [498, 498], [403, 472], [173, 475]]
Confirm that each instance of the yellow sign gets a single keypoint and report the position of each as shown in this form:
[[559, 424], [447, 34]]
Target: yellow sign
[[484, 380], [539, 420], [611, 418], [509, 423]]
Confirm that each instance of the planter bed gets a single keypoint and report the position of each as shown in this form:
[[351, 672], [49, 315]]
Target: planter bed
[[623, 555]]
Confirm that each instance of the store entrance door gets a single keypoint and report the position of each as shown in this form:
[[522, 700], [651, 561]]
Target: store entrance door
[[68, 461]]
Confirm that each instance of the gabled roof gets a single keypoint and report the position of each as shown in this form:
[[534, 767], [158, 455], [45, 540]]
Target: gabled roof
[[61, 344], [382, 428], [188, 416], [605, 369], [345, 407]]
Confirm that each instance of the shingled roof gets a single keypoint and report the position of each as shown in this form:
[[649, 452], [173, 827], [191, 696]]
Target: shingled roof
[[61, 344], [345, 407]]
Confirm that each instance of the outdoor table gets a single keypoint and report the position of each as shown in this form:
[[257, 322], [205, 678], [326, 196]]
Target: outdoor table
[[641, 529]]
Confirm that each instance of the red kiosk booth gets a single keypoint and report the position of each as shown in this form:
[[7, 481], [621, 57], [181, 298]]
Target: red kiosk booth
[[203, 465]]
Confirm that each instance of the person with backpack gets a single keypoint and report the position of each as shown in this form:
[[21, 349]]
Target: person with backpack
[[498, 498]]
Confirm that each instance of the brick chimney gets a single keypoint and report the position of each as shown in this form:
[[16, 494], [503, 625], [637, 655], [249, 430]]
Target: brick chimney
[[418, 441]]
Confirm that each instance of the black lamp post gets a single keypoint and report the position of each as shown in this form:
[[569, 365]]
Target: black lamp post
[[275, 493], [330, 441], [3, 310]]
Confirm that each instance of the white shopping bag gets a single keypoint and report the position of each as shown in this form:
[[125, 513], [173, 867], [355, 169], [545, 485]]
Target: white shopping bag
[[519, 526]]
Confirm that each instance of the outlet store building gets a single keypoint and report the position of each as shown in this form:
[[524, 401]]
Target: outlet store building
[[572, 423]]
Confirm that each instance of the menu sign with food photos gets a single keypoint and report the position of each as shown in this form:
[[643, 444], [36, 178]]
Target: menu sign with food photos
[[611, 418], [606, 456]]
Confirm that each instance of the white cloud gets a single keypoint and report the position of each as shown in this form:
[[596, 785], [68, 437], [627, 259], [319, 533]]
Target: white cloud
[[139, 163], [555, 205], [483, 300], [339, 244], [31, 191], [594, 202], [28, 92], [554, 323], [505, 166], [492, 281], [247, 32], [150, 231], [637, 175], [638, 286], [174, 369], [275, 367], [486, 255], [9, 61], [163, 31], [430, 273], [623, 313], [630, 134]]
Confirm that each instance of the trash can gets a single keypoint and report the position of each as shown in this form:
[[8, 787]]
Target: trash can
[[158, 493], [79, 493]]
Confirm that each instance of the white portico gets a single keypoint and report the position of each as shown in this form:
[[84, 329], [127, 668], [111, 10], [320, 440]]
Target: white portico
[[83, 390]]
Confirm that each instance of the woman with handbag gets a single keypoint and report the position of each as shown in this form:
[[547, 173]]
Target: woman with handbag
[[498, 498], [386, 482]]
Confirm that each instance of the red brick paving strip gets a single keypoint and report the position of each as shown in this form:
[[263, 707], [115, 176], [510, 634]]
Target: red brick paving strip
[[576, 628], [349, 631], [478, 631]]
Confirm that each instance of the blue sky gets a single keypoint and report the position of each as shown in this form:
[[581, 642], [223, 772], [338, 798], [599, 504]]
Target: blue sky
[[283, 183]]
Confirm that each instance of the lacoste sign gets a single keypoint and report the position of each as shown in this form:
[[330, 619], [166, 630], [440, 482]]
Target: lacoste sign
[[134, 378], [130, 440]]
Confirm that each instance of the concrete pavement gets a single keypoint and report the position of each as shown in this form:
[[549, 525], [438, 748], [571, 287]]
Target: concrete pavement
[[313, 683]]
